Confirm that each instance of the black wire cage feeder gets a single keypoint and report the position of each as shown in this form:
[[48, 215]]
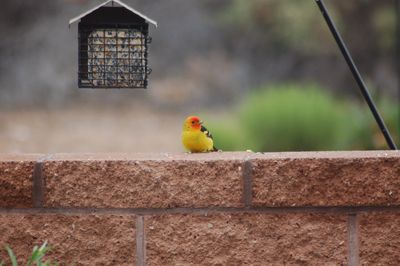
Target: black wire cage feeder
[[113, 41]]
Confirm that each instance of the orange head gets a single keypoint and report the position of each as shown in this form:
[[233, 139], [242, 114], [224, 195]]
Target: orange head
[[192, 123]]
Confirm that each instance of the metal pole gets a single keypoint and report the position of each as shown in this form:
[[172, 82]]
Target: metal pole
[[356, 74], [397, 7]]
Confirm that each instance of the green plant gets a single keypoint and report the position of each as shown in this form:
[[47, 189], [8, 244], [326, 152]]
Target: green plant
[[35, 259], [295, 117], [302, 117], [288, 118]]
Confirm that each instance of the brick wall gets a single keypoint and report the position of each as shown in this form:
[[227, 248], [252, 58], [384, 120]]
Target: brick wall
[[328, 208]]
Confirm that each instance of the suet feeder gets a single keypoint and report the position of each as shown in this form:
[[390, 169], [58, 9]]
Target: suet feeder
[[113, 46]]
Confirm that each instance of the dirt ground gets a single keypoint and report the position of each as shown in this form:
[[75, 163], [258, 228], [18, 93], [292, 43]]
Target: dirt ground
[[90, 129]]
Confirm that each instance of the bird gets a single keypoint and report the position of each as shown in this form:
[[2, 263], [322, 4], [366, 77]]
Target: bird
[[195, 137]]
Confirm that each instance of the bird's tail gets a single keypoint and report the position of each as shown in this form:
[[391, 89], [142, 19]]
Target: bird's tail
[[215, 149]]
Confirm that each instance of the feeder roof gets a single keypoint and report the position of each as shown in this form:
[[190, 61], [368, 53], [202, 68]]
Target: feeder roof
[[73, 20]]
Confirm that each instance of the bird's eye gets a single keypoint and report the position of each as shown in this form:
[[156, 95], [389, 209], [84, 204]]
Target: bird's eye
[[192, 122]]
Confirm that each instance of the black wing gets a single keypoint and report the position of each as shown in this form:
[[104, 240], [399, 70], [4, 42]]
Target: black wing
[[208, 134], [205, 131]]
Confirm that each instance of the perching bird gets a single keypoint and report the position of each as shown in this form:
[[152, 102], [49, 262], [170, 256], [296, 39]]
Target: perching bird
[[195, 137]]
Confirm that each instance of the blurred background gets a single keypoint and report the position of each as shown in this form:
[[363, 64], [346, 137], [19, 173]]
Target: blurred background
[[264, 75]]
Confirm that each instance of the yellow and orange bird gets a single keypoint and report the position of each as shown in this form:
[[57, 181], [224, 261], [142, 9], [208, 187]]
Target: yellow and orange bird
[[195, 137]]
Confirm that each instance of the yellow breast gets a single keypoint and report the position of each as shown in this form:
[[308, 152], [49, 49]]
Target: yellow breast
[[196, 141]]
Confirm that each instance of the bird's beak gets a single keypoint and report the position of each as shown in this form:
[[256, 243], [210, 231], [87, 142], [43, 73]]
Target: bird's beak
[[201, 122]]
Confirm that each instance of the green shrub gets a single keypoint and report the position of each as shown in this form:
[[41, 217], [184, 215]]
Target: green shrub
[[301, 118], [295, 118]]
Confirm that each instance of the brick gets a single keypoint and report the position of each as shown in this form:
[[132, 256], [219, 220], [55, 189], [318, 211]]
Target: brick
[[16, 180], [380, 238], [75, 240], [246, 239], [327, 179], [144, 181]]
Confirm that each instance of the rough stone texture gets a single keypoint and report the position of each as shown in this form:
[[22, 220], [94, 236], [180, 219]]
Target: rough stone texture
[[16, 180], [136, 182], [246, 239], [380, 238], [327, 181], [75, 240], [259, 236]]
